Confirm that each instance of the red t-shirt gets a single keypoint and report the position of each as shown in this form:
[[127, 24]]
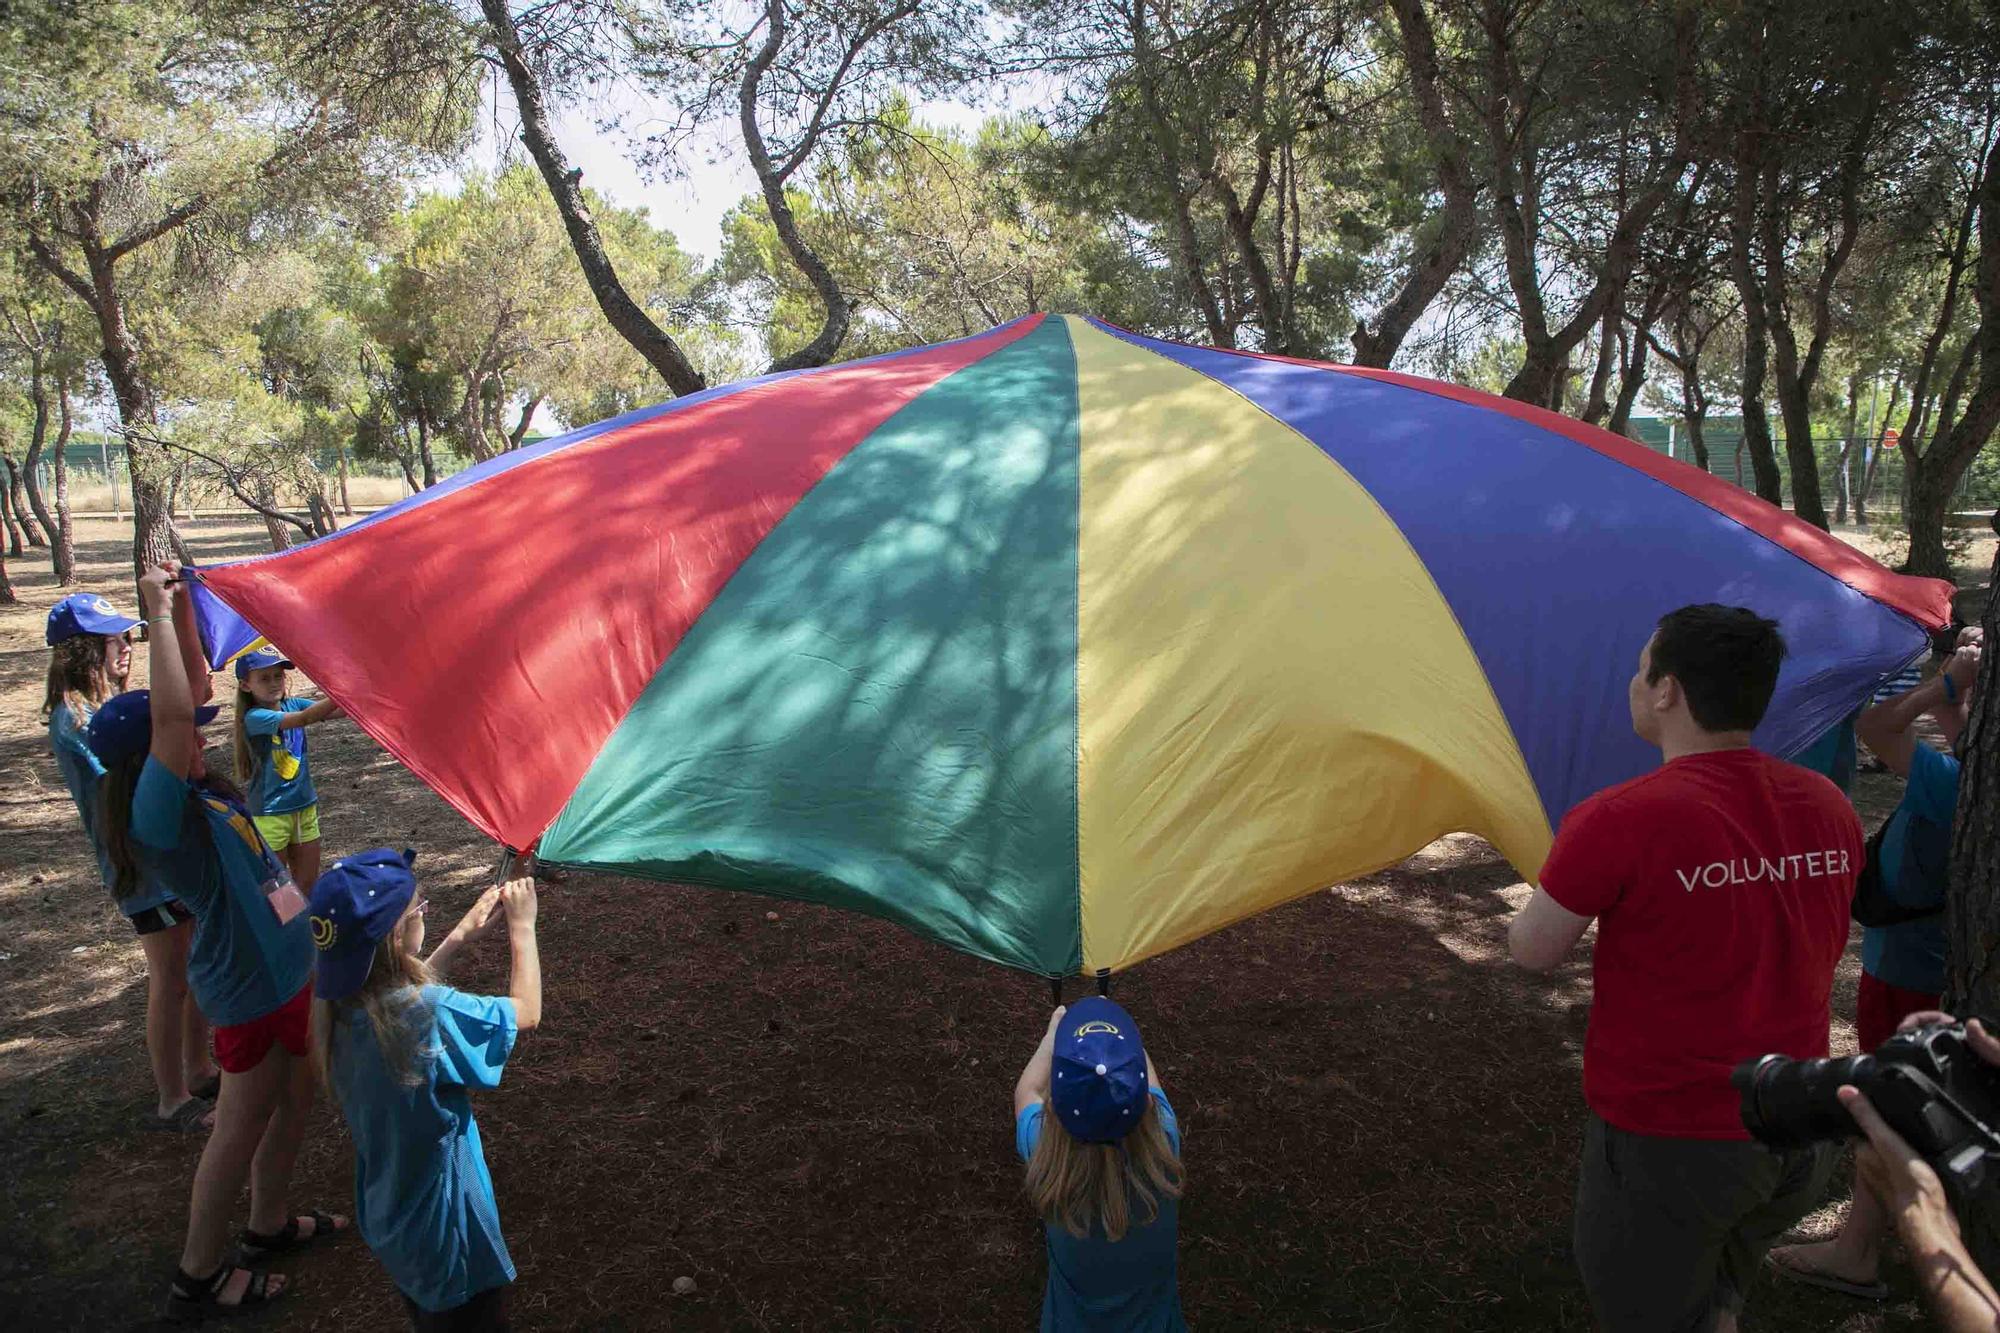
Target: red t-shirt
[[1721, 885]]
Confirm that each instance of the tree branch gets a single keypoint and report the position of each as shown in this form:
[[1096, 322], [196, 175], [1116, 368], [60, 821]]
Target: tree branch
[[230, 479]]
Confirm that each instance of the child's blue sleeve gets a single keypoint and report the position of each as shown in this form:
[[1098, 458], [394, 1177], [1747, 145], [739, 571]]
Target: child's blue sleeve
[[1027, 1129], [1932, 791], [65, 735], [264, 721], [158, 803], [475, 1035], [1168, 1120]]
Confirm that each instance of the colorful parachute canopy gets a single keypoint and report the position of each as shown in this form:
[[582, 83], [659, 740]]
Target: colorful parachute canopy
[[1060, 645]]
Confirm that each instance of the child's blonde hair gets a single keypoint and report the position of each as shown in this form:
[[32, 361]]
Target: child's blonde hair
[[1075, 1185], [246, 758], [393, 1003]]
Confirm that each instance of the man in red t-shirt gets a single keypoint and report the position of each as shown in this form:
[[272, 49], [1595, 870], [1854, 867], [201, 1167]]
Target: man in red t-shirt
[[1721, 884]]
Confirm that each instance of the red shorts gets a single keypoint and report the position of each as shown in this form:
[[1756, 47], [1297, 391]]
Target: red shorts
[[241, 1047], [1878, 1007]]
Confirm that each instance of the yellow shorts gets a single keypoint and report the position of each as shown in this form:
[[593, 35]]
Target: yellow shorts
[[289, 829]]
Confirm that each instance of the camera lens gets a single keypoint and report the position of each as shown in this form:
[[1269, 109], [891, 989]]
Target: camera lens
[[1792, 1103]]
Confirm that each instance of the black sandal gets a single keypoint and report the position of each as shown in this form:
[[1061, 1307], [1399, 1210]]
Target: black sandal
[[208, 1089], [193, 1299], [258, 1248], [193, 1116]]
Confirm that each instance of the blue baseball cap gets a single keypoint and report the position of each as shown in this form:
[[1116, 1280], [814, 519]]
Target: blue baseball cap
[[85, 613], [356, 902], [257, 659], [123, 727], [1098, 1090]]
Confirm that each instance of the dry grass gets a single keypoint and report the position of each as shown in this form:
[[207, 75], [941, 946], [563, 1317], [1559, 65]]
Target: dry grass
[[809, 1115]]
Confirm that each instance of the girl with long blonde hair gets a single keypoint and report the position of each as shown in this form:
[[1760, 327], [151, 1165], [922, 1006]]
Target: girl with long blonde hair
[[90, 658], [1102, 1148], [269, 739], [399, 1051]]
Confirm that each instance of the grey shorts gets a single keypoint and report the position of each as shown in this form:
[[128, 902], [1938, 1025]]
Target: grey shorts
[[1671, 1231]]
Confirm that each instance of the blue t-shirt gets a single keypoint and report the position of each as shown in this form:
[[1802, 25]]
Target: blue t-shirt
[[422, 1197], [1833, 755], [1914, 854], [244, 962], [280, 783], [1130, 1285], [81, 773]]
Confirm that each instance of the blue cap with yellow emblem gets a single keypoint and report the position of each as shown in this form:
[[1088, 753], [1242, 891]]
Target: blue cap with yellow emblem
[[1098, 1084], [85, 613], [355, 903], [257, 659]]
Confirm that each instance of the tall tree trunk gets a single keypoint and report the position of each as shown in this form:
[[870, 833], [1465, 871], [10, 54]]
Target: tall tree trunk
[[320, 510], [7, 597], [565, 184], [1843, 478], [520, 431], [424, 454], [65, 537], [771, 180], [1972, 900], [1166, 142], [1800, 456], [149, 468], [1756, 416], [1874, 462], [1696, 442], [31, 462], [1631, 379], [1597, 399], [17, 545], [17, 495], [279, 533], [1938, 469], [1441, 249], [346, 505]]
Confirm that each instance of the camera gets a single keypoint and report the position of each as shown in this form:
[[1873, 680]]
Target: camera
[[1928, 1083]]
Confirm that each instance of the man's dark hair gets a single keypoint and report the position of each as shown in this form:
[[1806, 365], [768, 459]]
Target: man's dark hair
[[1726, 659]]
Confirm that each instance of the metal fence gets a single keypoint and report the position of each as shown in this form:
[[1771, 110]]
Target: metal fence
[[1874, 479]]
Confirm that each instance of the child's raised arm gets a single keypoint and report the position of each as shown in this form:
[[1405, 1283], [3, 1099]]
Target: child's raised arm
[[475, 923], [305, 717], [173, 702], [200, 687], [524, 982], [1033, 1085]]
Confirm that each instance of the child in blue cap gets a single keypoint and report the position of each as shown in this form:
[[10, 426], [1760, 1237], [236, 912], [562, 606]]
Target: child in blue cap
[[1103, 1150], [270, 737], [163, 814], [90, 657], [399, 1050]]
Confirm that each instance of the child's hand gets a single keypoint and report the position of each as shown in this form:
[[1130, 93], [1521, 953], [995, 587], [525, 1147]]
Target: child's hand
[[519, 897], [1963, 668], [156, 597], [482, 917]]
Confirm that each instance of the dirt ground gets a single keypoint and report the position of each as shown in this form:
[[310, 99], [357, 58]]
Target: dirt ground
[[809, 1116]]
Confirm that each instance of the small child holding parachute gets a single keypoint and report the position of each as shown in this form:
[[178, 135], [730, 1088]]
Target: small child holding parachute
[[398, 1051], [1102, 1148], [271, 761]]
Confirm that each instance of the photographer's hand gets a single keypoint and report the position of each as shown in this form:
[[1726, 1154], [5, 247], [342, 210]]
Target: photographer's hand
[[1984, 1043], [1958, 1293]]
